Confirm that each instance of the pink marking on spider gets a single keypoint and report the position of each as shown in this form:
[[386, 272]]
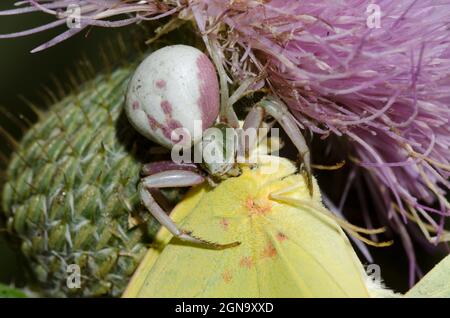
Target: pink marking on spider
[[174, 124], [153, 122], [208, 100], [167, 132], [170, 126], [166, 107], [136, 105], [160, 84]]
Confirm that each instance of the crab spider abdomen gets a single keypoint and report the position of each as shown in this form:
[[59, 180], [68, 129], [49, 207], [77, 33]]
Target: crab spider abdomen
[[172, 88]]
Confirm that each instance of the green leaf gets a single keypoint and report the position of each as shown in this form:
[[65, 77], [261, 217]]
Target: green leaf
[[9, 292], [435, 284]]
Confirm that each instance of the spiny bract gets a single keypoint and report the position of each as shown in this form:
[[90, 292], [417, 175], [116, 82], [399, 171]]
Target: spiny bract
[[71, 190]]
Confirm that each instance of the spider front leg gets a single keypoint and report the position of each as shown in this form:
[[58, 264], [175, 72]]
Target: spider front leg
[[279, 111], [227, 113], [167, 175]]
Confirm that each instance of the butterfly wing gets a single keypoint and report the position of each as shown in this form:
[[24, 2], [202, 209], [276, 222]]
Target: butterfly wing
[[285, 251], [434, 284]]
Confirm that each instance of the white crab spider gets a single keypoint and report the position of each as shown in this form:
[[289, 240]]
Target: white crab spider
[[172, 88]]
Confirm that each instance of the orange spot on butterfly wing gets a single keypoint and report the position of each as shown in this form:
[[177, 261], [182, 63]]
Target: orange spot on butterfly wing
[[269, 251], [246, 262], [254, 207], [227, 276], [281, 237], [224, 223]]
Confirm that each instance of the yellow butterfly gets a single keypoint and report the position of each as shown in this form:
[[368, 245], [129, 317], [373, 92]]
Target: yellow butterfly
[[290, 245], [435, 284]]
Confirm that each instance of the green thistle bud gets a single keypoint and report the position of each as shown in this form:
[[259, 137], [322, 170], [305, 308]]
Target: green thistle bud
[[70, 194]]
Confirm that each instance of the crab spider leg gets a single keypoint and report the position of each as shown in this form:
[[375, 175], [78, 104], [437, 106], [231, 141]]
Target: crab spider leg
[[227, 113], [173, 178], [159, 166], [241, 90], [279, 111], [169, 178], [248, 134], [228, 110], [251, 135]]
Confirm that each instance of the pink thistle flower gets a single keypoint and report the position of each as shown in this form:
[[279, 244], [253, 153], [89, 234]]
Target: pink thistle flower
[[88, 13], [382, 83], [385, 90]]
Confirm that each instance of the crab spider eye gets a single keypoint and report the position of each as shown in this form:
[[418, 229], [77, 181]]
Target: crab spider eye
[[175, 87]]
